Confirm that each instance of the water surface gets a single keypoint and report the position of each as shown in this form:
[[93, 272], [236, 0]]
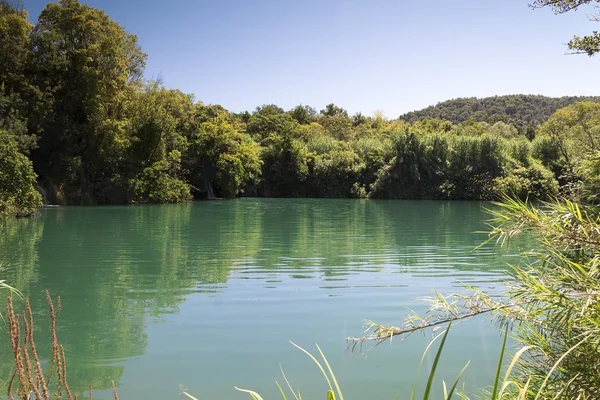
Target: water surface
[[209, 294]]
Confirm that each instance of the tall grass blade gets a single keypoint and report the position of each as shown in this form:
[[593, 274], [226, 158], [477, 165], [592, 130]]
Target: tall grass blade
[[524, 389], [499, 369], [453, 388], [428, 347], [316, 362], [283, 396], [288, 383], [254, 395], [435, 364], [506, 383], [556, 364], [335, 382], [189, 395]]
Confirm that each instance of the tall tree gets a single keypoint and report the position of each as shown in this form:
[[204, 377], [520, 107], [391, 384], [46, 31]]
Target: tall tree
[[222, 160], [17, 95], [91, 65], [269, 120], [575, 130], [304, 115]]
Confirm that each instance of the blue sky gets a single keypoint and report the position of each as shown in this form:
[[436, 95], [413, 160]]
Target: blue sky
[[364, 55]]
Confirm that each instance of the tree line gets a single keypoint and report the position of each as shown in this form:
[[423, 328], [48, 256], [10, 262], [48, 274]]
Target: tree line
[[79, 124], [525, 112]]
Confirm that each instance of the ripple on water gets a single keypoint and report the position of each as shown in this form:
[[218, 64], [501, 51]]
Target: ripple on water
[[209, 294]]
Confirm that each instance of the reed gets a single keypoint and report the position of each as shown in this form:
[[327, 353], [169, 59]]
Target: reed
[[28, 379]]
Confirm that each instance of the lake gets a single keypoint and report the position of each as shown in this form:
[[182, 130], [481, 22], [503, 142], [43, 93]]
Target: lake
[[208, 294]]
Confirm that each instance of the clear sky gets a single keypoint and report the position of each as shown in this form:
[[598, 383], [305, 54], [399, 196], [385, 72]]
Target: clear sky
[[364, 55]]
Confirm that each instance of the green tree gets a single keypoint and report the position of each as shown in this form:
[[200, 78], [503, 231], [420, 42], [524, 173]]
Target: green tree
[[304, 115], [209, 112], [19, 100], [589, 172], [158, 121], [359, 119], [269, 120], [530, 132], [222, 160], [416, 170], [159, 183], [285, 167], [575, 129], [158, 125], [534, 182], [375, 152], [91, 65], [473, 165], [18, 194], [338, 126], [337, 173], [331, 110]]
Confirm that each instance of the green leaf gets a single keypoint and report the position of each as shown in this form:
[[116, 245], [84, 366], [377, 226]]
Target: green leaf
[[435, 364]]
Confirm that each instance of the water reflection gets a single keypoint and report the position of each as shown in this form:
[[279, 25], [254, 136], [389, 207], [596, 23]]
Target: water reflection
[[120, 270]]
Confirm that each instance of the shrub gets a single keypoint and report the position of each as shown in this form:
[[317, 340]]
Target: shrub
[[159, 184], [336, 173], [18, 195], [534, 182]]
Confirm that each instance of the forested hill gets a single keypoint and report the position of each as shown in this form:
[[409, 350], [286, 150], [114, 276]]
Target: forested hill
[[519, 110]]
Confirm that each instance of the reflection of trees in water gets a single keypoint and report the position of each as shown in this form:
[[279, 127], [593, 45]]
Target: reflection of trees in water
[[115, 266], [335, 238], [18, 248]]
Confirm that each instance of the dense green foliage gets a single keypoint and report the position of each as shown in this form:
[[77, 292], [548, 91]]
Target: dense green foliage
[[17, 179], [520, 111], [73, 100]]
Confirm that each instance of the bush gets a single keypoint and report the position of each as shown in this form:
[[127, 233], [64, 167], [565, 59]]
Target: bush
[[18, 195], [533, 182], [589, 173], [549, 153], [520, 150], [473, 164], [336, 173], [158, 183], [416, 170], [285, 167]]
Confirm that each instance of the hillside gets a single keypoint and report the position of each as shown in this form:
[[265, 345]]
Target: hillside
[[519, 110]]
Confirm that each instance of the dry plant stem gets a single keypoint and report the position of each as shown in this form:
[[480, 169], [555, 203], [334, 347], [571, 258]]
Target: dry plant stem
[[15, 340], [116, 396], [90, 391], [38, 367], [387, 333], [10, 383], [64, 374], [31, 378], [55, 348], [32, 385]]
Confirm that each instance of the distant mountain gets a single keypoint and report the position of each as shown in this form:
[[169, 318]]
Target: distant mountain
[[518, 109]]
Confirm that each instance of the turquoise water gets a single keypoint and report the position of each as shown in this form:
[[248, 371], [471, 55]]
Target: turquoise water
[[208, 295]]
